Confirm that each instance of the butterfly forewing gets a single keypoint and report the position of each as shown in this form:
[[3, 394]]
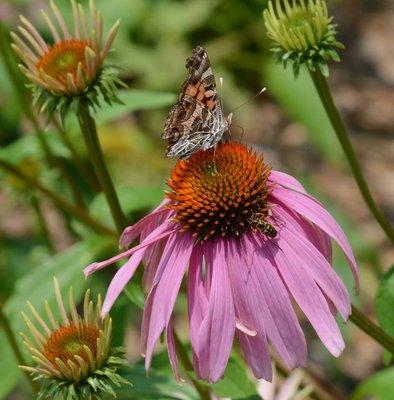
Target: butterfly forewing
[[196, 121]]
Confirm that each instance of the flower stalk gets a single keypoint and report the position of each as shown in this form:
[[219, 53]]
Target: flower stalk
[[14, 346], [89, 131], [324, 92], [374, 331]]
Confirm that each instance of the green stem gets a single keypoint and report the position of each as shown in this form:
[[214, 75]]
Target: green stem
[[77, 212], [188, 366], [42, 222], [14, 346], [89, 131], [324, 92], [89, 177], [371, 329]]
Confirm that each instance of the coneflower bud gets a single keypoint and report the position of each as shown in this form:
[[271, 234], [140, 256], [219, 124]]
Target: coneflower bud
[[72, 67], [303, 33], [73, 356]]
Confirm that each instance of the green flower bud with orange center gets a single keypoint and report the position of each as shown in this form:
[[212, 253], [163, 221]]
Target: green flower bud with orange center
[[220, 192], [73, 356], [71, 68], [303, 33]]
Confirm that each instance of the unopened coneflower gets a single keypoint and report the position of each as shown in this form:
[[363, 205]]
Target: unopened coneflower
[[70, 67], [253, 241], [303, 33], [73, 356]]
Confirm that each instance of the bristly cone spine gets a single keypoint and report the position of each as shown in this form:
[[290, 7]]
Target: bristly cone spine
[[303, 33]]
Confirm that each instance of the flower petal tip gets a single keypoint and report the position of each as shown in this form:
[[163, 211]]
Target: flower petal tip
[[90, 269]]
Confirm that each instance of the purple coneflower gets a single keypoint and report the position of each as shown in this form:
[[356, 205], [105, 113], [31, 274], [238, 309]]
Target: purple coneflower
[[72, 354], [253, 240], [72, 65]]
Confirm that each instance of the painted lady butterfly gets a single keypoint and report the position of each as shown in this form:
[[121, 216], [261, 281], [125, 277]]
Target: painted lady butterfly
[[196, 121]]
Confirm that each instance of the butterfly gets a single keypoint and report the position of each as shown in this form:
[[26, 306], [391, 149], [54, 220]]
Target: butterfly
[[196, 122]]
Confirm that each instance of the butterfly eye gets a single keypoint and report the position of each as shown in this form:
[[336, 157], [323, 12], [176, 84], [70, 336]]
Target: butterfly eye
[[182, 113]]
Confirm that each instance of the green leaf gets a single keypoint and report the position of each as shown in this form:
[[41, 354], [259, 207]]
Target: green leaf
[[157, 386], [37, 286], [236, 383], [384, 302], [134, 100], [380, 386], [302, 103], [29, 147], [132, 199]]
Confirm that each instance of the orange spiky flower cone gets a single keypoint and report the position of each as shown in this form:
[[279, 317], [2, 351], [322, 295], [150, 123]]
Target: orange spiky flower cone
[[72, 354], [71, 68]]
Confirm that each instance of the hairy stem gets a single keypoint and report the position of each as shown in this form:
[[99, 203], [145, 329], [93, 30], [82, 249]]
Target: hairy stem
[[15, 348], [78, 161], [89, 131], [187, 364], [324, 92], [77, 212], [374, 331]]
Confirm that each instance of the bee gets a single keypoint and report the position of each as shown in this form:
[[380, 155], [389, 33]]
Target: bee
[[266, 228]]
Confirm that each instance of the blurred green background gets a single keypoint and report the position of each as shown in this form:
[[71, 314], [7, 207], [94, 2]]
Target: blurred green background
[[287, 123]]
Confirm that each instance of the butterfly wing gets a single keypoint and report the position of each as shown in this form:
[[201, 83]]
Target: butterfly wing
[[196, 121]]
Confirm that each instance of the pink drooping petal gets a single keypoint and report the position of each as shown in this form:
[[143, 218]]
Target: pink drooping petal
[[165, 291], [164, 230], [151, 261], [196, 296], [197, 302], [274, 311], [255, 350], [307, 294], [284, 216], [172, 351], [311, 209], [169, 249], [218, 327], [120, 280], [316, 266], [132, 232], [245, 293], [286, 181], [153, 254]]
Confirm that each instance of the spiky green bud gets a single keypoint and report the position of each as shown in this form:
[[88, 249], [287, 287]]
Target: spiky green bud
[[303, 33]]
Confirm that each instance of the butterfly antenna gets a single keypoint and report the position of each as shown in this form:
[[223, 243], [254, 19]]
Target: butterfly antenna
[[249, 100], [242, 133], [221, 104]]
